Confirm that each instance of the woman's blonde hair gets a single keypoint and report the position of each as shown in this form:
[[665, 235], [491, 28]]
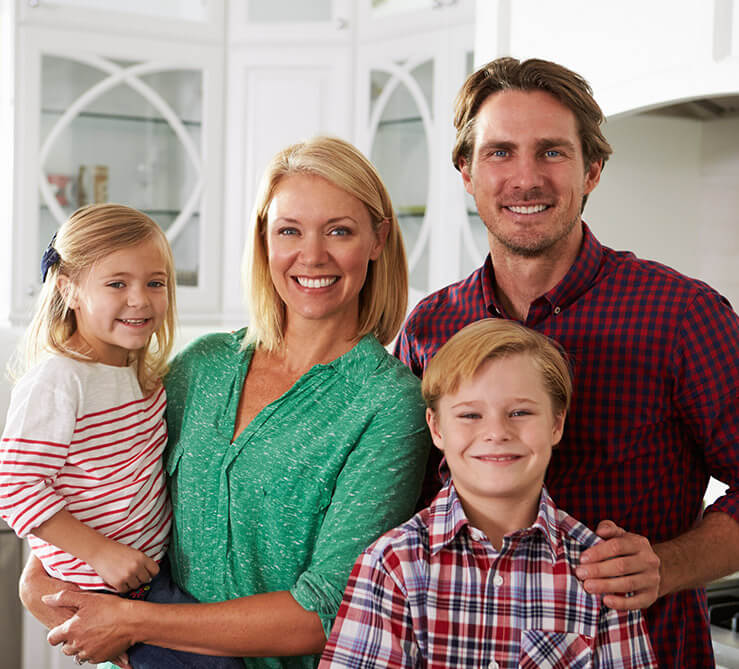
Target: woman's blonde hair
[[384, 296], [490, 339], [90, 234]]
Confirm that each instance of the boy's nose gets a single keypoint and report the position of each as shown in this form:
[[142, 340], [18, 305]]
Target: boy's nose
[[496, 430]]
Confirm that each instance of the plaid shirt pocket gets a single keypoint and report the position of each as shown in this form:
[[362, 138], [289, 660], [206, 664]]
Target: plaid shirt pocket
[[555, 650]]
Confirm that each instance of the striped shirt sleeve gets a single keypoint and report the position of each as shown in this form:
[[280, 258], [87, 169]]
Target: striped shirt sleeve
[[35, 443]]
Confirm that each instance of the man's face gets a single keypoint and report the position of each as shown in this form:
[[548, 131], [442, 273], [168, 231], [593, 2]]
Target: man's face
[[527, 174]]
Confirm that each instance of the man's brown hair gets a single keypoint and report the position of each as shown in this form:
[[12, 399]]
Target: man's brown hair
[[568, 87]]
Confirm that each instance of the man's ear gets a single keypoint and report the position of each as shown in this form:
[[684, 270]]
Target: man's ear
[[432, 420], [592, 176], [68, 291], [466, 172]]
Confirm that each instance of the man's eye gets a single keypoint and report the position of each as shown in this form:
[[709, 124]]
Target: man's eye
[[552, 153], [499, 153]]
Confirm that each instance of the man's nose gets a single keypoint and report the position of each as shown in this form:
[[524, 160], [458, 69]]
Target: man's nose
[[527, 173]]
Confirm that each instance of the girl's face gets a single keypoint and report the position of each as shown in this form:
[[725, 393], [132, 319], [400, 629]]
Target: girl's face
[[320, 241], [119, 302]]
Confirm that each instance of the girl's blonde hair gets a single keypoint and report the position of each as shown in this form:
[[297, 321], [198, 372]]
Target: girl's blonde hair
[[469, 349], [90, 234], [384, 296]]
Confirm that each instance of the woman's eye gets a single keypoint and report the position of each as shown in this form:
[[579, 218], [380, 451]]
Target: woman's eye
[[287, 232], [340, 232]]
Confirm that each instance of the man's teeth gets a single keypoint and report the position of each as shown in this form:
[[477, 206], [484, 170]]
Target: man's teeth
[[535, 209], [316, 283]]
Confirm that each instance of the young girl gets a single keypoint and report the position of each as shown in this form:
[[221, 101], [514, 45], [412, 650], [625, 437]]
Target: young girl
[[81, 458]]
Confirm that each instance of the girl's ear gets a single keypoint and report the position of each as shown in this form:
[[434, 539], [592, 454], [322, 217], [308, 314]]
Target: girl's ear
[[68, 291], [432, 420]]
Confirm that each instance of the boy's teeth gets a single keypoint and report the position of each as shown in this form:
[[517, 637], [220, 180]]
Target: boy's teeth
[[322, 282], [535, 209]]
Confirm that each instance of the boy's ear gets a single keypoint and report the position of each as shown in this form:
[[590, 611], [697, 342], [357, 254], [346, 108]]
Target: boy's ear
[[559, 428], [432, 421], [67, 289]]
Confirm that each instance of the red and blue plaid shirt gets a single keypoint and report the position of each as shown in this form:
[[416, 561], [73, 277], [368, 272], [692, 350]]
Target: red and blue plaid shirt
[[655, 409], [435, 593]]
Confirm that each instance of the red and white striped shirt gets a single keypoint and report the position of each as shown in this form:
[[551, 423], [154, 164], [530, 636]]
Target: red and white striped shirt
[[81, 436]]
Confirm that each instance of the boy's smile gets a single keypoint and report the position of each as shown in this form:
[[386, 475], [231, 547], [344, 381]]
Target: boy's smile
[[497, 431]]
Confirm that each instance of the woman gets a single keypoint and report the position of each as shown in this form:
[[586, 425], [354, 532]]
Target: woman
[[293, 444]]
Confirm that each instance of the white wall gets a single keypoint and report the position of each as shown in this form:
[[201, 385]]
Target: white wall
[[670, 193]]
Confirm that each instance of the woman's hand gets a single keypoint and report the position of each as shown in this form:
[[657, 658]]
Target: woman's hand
[[98, 631], [34, 584]]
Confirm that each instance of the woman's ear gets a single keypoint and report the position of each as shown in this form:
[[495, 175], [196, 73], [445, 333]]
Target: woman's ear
[[68, 291], [381, 234], [432, 420]]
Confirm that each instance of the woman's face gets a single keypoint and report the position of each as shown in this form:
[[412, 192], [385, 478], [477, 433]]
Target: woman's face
[[320, 241]]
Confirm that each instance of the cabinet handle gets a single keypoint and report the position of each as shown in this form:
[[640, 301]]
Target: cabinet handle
[[34, 3], [341, 23]]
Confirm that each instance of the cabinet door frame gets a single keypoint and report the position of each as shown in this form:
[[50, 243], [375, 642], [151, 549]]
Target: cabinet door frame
[[196, 304], [429, 15]]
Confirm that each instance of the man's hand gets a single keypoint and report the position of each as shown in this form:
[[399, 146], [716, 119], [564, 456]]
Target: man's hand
[[624, 568], [97, 631]]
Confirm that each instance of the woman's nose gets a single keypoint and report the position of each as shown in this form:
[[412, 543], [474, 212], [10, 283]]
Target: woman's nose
[[313, 250]]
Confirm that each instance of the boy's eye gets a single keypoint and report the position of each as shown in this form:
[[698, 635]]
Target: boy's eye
[[116, 284], [520, 412], [470, 415]]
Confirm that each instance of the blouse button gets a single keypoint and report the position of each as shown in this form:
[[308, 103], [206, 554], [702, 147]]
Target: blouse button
[[557, 310], [498, 580]]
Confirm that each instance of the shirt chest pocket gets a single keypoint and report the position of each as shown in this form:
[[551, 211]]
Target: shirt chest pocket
[[542, 649]]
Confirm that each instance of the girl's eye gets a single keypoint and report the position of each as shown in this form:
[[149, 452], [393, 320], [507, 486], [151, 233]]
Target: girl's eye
[[157, 284]]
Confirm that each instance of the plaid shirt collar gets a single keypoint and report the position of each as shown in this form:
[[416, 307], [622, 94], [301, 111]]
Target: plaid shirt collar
[[447, 519], [577, 281]]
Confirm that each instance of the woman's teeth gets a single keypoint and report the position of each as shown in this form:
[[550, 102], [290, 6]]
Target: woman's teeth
[[322, 282]]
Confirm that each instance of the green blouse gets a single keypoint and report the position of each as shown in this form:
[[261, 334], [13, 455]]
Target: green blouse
[[317, 475]]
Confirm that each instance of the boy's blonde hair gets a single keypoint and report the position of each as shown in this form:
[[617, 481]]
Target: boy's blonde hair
[[383, 298], [90, 234], [490, 339]]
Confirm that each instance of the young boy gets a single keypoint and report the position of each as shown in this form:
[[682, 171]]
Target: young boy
[[484, 577]]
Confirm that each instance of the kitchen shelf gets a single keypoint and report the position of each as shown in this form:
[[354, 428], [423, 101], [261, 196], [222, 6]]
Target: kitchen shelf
[[120, 117]]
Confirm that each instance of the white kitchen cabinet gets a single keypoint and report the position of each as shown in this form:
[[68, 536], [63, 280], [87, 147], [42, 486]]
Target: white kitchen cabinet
[[286, 21], [201, 20], [277, 95], [100, 117], [405, 93], [382, 19]]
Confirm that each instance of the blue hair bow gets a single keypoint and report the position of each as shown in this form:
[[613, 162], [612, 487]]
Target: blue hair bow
[[50, 258]]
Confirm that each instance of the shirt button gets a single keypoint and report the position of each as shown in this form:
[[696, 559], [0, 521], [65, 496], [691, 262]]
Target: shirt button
[[493, 665], [498, 580], [557, 310]]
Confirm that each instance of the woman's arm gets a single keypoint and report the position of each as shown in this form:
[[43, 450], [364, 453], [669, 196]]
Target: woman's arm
[[264, 625], [34, 584]]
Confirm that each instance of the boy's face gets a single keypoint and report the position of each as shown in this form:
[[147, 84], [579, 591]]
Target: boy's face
[[497, 432]]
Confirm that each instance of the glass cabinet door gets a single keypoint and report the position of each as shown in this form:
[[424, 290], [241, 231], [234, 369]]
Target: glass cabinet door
[[400, 130], [127, 132], [106, 118]]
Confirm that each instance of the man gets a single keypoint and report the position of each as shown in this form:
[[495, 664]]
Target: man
[[655, 354]]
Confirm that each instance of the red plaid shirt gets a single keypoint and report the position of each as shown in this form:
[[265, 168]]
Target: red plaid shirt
[[655, 410], [435, 593]]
